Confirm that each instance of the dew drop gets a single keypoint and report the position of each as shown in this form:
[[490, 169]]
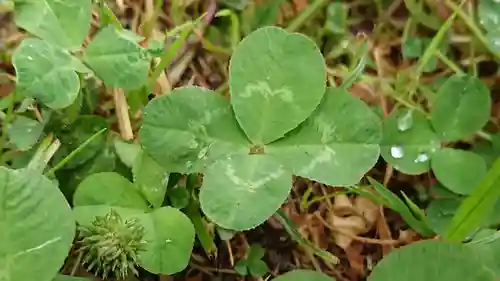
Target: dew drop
[[397, 152], [30, 58], [406, 121], [422, 157]]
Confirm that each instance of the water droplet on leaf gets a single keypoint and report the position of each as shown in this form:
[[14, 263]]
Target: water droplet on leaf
[[422, 157], [397, 152], [406, 121], [30, 58]]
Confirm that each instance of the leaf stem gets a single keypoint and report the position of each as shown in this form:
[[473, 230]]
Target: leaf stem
[[306, 14]]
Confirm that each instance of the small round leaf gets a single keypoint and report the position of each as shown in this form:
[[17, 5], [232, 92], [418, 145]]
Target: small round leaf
[[233, 186], [408, 149], [190, 128], [36, 226], [111, 189], [47, 73], [303, 275], [170, 236], [461, 108], [458, 170], [431, 260], [277, 79]]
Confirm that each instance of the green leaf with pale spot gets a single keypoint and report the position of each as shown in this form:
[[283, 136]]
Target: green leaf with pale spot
[[190, 128], [277, 79], [329, 147], [63, 22], [171, 235], [303, 275], [431, 260], [462, 107], [150, 178], [111, 189], [117, 59], [408, 148], [47, 73], [36, 226], [24, 132], [458, 170], [242, 191], [488, 12]]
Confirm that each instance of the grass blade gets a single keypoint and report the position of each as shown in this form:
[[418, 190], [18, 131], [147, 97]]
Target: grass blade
[[472, 211]]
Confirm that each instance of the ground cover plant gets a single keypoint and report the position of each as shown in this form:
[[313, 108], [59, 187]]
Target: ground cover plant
[[277, 129]]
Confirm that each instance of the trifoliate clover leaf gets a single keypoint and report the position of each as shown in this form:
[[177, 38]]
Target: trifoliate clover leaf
[[116, 58]]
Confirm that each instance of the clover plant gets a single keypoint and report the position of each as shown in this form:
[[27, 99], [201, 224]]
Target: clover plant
[[280, 120]]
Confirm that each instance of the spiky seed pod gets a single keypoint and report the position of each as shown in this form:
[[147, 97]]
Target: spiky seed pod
[[110, 246]]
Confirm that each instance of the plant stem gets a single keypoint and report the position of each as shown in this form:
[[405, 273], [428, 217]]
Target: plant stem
[[121, 108], [306, 14]]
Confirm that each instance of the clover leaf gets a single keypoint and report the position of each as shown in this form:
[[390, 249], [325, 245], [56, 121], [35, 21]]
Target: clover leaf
[[116, 58], [61, 22], [47, 73]]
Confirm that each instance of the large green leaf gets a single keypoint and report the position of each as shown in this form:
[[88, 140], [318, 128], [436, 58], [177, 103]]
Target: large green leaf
[[150, 178], [458, 170], [36, 226], [111, 189], [277, 79], [117, 59], [63, 22], [431, 260], [408, 146], [47, 73], [243, 191], [190, 128], [303, 275], [486, 244], [451, 115], [337, 145], [170, 236]]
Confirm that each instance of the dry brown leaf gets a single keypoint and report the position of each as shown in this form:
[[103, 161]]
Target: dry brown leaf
[[342, 205], [349, 227]]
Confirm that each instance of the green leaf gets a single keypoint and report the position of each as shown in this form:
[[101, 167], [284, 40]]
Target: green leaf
[[24, 132], [63, 22], [408, 149], [431, 260], [473, 210], [489, 150], [171, 237], [108, 189], [451, 115], [255, 253], [127, 152], [117, 59], [277, 79], [151, 179], [179, 197], [47, 73], [488, 12], [261, 14], [77, 134], [241, 267], [413, 47], [337, 145], [493, 40], [36, 226], [235, 4], [487, 246], [458, 170], [336, 18], [303, 275], [190, 128], [231, 188], [440, 212], [258, 268]]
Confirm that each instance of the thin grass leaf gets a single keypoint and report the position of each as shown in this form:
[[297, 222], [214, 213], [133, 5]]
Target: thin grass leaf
[[399, 206], [473, 210], [292, 229]]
